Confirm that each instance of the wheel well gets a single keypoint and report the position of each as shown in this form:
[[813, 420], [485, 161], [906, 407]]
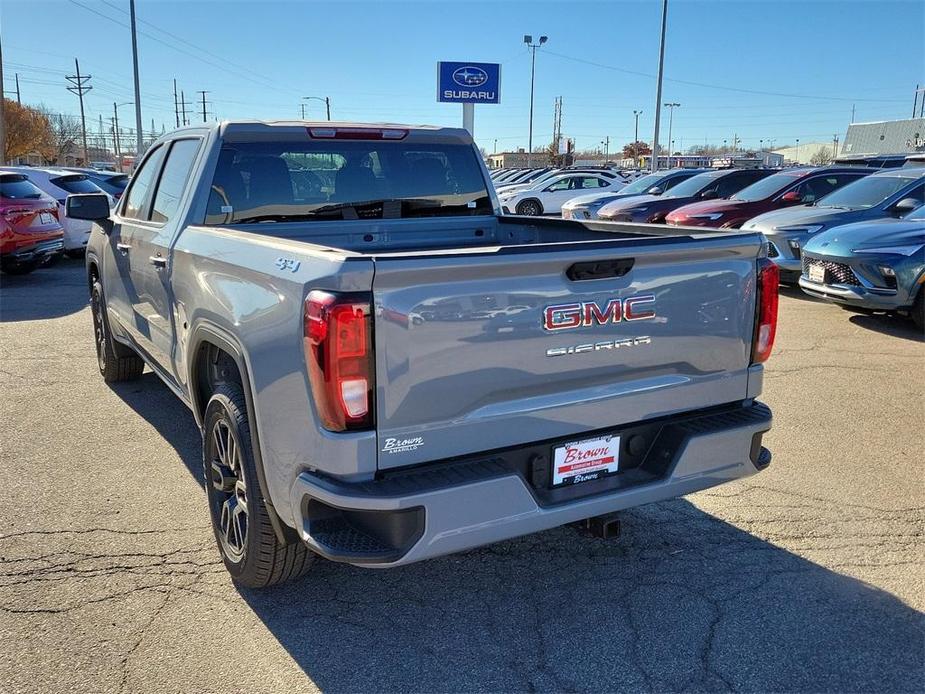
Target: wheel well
[[93, 274], [212, 367]]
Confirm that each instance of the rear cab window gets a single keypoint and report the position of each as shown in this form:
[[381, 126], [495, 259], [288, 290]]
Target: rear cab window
[[333, 179], [76, 183], [19, 187]]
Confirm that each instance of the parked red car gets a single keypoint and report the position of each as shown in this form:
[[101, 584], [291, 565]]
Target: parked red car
[[30, 233], [799, 186]]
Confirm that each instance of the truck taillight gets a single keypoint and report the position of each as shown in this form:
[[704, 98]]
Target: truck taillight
[[766, 312], [338, 353]]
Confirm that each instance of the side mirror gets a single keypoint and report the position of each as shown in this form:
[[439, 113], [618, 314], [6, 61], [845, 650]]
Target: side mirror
[[905, 206], [655, 190], [709, 195], [93, 207], [792, 197]]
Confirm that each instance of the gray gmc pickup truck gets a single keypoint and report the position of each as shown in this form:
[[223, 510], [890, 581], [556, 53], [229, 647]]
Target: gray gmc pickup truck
[[385, 369]]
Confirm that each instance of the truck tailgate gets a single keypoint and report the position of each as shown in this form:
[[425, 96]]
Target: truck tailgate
[[466, 359]]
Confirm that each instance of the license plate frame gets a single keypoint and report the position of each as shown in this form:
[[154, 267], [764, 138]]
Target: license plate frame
[[817, 273], [585, 460], [46, 218]]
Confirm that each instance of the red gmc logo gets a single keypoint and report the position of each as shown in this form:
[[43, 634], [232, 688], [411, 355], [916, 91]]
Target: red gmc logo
[[585, 314]]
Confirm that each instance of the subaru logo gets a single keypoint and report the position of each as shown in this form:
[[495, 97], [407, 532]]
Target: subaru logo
[[470, 76]]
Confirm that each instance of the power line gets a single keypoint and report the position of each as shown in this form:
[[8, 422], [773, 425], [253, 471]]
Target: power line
[[718, 86]]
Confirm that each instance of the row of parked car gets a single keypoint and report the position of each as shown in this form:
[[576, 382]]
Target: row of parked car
[[853, 235], [34, 230]]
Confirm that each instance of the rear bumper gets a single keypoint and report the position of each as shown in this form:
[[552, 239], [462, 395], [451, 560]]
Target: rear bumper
[[451, 506], [38, 253]]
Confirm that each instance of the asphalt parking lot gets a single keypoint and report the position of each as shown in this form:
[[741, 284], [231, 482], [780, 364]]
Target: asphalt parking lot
[[808, 577]]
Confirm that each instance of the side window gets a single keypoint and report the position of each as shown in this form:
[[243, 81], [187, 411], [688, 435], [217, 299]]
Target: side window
[[139, 193], [564, 184], [732, 184], [173, 179], [672, 182], [594, 183]]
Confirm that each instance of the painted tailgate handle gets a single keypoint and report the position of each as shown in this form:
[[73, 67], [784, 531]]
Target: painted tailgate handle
[[600, 269], [158, 261]]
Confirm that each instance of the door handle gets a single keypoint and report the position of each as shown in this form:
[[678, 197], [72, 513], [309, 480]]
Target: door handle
[[158, 261], [123, 248]]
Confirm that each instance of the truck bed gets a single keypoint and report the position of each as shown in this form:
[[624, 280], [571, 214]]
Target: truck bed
[[374, 237]]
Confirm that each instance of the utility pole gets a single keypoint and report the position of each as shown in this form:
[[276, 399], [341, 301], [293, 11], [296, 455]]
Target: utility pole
[[495, 150], [528, 39], [852, 113], [327, 106], [18, 98], [80, 87], [183, 107], [303, 110], [139, 145], [606, 143], [834, 146], [203, 93], [2, 116], [798, 150], [658, 88], [176, 104], [636, 115], [115, 135], [671, 107]]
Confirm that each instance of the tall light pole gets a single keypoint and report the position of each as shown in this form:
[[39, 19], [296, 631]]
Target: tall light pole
[[658, 89], [636, 138], [327, 104], [798, 150], [138, 142], [528, 39], [671, 106]]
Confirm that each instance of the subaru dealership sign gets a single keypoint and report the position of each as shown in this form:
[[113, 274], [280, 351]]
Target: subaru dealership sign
[[469, 83]]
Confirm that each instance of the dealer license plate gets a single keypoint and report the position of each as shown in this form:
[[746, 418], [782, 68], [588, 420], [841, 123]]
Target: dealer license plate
[[46, 218], [582, 461], [817, 273]]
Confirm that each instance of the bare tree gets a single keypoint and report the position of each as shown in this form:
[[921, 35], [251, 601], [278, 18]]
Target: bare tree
[[65, 134], [821, 156]]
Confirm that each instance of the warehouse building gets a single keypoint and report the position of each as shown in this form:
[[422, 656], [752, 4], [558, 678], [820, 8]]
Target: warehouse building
[[884, 137]]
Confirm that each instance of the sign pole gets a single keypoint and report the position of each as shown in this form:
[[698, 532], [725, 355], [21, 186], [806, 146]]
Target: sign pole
[[469, 118]]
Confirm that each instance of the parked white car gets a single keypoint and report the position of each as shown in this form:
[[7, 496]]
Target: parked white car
[[548, 196], [59, 183]]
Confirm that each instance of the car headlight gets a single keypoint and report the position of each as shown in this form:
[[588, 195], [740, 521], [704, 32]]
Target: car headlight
[[712, 216], [801, 229], [910, 249]]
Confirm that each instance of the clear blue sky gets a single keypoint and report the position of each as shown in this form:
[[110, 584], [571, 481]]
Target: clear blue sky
[[377, 61]]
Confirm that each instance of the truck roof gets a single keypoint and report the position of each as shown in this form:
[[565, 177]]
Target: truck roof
[[241, 130]]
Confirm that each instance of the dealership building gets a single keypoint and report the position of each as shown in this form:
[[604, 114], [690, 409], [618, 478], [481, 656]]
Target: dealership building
[[884, 137]]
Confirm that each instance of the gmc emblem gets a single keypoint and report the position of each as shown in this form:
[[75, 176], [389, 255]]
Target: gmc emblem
[[585, 314]]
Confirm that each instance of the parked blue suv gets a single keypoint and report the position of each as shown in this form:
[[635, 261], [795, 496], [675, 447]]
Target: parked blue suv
[[876, 265], [892, 193]]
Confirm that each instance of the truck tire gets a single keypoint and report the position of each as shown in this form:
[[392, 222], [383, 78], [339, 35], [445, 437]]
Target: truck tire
[[246, 540], [530, 208], [115, 361]]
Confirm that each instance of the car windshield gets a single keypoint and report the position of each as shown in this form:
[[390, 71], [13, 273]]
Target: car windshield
[[693, 185], [76, 183], [767, 187], [641, 185], [342, 179], [865, 192], [18, 187]]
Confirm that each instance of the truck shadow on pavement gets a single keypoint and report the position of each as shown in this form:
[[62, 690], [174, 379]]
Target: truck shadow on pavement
[[683, 600], [49, 292]]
